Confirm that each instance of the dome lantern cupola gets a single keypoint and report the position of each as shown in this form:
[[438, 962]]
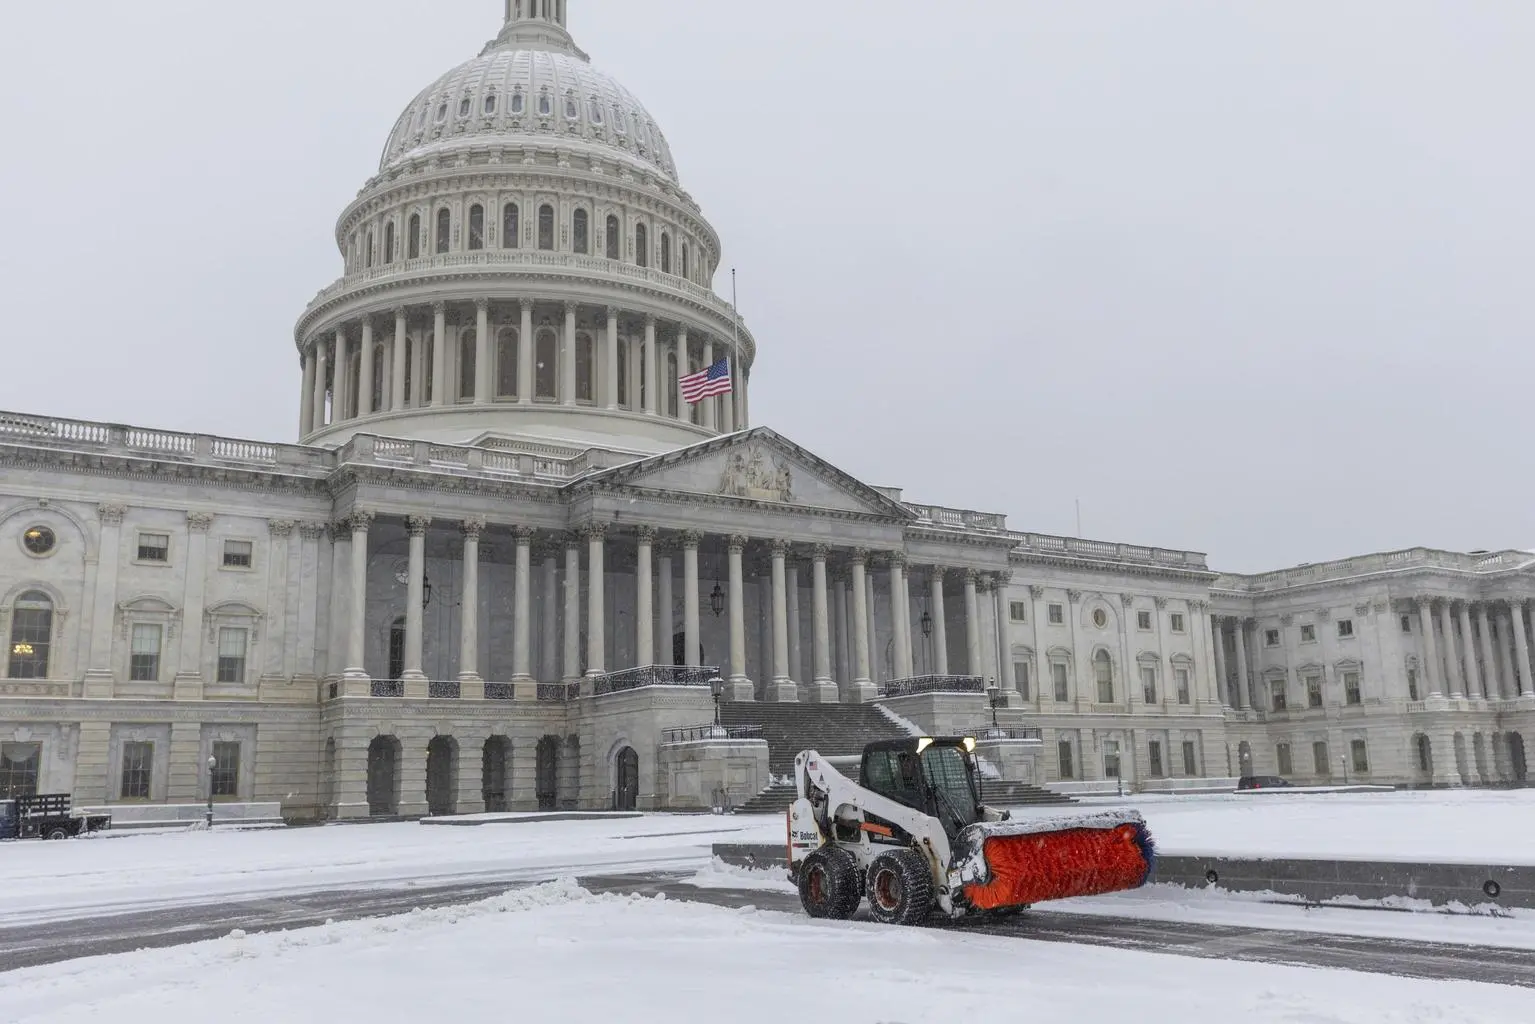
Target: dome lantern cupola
[[536, 25]]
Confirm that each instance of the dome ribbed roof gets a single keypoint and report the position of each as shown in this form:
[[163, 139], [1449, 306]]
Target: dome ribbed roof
[[514, 95]]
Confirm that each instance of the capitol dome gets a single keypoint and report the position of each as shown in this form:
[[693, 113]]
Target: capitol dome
[[524, 270]]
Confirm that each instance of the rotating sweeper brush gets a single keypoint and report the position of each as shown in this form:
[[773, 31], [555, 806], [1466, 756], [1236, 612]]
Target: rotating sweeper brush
[[913, 836]]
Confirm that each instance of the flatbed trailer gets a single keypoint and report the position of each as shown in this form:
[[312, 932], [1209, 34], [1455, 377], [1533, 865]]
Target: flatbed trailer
[[47, 816]]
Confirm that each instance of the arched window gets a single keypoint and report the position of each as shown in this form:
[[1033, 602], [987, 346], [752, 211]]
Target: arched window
[[613, 238], [685, 259], [580, 231], [467, 344], [506, 362], [368, 252], [672, 391], [31, 636], [511, 226], [586, 367], [618, 121], [641, 243], [623, 373], [378, 379], [1103, 670], [410, 373], [545, 103], [546, 369], [519, 102], [572, 111], [476, 226], [413, 242], [490, 104], [429, 383], [389, 242], [644, 390], [444, 229], [594, 108], [666, 253], [442, 112], [546, 227], [464, 106]]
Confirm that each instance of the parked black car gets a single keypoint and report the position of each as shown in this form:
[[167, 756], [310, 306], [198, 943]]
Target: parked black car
[[1263, 782]]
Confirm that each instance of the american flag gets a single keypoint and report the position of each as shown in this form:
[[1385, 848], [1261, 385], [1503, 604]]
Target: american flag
[[706, 383]]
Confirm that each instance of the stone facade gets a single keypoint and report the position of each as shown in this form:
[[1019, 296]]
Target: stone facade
[[496, 575]]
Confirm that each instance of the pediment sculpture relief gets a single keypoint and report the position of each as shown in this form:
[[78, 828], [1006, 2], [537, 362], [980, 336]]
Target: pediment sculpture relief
[[753, 476]]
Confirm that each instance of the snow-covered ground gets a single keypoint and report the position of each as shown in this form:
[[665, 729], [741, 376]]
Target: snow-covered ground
[[556, 952]]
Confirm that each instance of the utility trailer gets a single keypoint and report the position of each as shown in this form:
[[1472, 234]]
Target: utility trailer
[[47, 817]]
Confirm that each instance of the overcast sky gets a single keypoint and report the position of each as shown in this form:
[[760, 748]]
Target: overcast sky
[[1248, 278]]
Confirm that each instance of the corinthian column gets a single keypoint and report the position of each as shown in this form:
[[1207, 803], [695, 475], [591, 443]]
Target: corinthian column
[[568, 361], [784, 691], [397, 364], [596, 629], [321, 384], [862, 688], [707, 407], [900, 616], [740, 685], [468, 605], [650, 366], [522, 617], [644, 609], [365, 369], [972, 626], [440, 387], [356, 674], [1005, 681], [1431, 673], [823, 688], [482, 380], [791, 594], [306, 397], [940, 623], [610, 361], [414, 676], [572, 608], [1468, 652], [690, 627], [1521, 645], [525, 346]]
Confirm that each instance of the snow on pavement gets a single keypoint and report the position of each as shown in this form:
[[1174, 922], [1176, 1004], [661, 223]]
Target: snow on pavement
[[556, 952]]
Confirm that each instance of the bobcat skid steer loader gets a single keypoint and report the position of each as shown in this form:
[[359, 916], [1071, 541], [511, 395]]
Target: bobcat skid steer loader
[[913, 835]]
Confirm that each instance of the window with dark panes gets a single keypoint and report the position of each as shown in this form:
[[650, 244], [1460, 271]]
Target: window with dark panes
[[138, 770]]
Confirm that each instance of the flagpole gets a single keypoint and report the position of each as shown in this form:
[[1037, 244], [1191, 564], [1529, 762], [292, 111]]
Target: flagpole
[[738, 390]]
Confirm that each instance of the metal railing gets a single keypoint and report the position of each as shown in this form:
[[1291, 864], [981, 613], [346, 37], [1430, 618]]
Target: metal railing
[[932, 684], [987, 732], [387, 688], [500, 691], [438, 689], [653, 675], [694, 733], [556, 693]]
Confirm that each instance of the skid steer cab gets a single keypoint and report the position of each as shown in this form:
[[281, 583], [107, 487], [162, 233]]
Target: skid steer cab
[[914, 837]]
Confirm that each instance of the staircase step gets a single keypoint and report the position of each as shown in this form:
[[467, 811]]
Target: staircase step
[[997, 793]]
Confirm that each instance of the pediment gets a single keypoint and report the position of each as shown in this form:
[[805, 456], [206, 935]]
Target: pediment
[[757, 466]]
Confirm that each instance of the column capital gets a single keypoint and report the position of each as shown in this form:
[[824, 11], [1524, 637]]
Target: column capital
[[938, 572], [613, 312], [1074, 596], [439, 307], [482, 305], [691, 539], [339, 530], [896, 559], [571, 305], [416, 525], [472, 528], [779, 548], [736, 543], [361, 520], [682, 332], [1004, 578], [527, 304], [523, 534], [650, 321], [982, 583], [647, 535], [1198, 606], [1160, 602], [573, 539], [594, 531], [972, 576], [1362, 610], [1127, 599], [1036, 591], [400, 313], [1420, 602], [199, 522], [859, 556], [818, 553], [279, 528]]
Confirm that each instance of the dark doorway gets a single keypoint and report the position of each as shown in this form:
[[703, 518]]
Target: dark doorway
[[626, 790], [397, 649], [546, 773], [384, 776], [328, 781], [493, 772], [680, 650], [570, 774], [1516, 762], [1424, 758], [441, 769]]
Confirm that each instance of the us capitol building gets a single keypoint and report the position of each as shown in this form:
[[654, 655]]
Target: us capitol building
[[506, 560]]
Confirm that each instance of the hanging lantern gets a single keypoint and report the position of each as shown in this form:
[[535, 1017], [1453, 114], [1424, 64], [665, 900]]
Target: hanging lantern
[[717, 600]]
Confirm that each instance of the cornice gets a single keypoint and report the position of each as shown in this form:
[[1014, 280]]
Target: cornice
[[1147, 569], [146, 469]]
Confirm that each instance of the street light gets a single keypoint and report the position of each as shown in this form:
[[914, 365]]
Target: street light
[[717, 687], [994, 696], [212, 764]]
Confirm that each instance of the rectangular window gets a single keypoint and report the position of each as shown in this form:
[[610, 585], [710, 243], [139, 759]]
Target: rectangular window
[[1361, 757], [1111, 759], [1308, 634], [1154, 751], [1406, 623], [1143, 621], [1351, 688], [1021, 678], [237, 554], [1149, 683], [1286, 765], [1345, 628], [144, 655], [1271, 638], [1063, 754], [1313, 691], [138, 767], [1277, 694], [1177, 619], [154, 547], [1018, 611], [1412, 684], [1181, 677], [1319, 759], [225, 779], [1057, 615], [1190, 761], [19, 763], [1058, 677], [232, 645]]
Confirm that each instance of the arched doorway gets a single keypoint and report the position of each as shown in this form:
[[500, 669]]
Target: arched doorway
[[1244, 759], [1423, 758], [384, 776], [570, 774], [1462, 761], [1479, 758], [494, 761], [1516, 762], [626, 782], [546, 773], [441, 775]]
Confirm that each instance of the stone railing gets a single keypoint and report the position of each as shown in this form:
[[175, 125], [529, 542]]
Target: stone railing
[[538, 261], [113, 438], [957, 519], [1043, 543], [652, 675], [931, 684], [1365, 565], [370, 449]]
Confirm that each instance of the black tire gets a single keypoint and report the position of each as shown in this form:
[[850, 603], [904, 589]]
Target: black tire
[[900, 888], [58, 832], [828, 884]]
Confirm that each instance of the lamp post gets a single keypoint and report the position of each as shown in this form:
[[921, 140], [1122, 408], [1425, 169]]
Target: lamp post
[[212, 764], [1343, 760], [717, 688], [994, 697]]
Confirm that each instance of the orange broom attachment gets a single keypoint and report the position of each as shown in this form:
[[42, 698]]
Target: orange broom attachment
[[1034, 866]]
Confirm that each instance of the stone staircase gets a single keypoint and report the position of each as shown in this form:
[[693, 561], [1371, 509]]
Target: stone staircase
[[996, 793]]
